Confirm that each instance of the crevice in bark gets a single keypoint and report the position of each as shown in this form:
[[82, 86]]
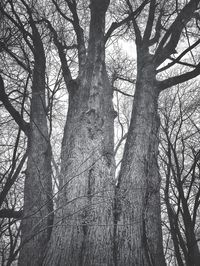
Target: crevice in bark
[[91, 184]]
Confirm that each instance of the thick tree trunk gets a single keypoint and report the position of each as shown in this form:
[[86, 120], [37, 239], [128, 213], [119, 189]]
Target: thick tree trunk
[[84, 220], [38, 209], [137, 214], [83, 226]]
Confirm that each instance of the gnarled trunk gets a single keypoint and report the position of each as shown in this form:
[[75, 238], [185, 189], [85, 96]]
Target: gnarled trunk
[[137, 204], [83, 219], [38, 208]]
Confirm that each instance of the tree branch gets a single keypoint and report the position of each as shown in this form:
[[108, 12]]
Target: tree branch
[[64, 65], [124, 93], [116, 25], [11, 179], [162, 85], [171, 38], [77, 28], [138, 35], [61, 13], [18, 24], [9, 213], [19, 62], [150, 20], [158, 28], [24, 126], [177, 60], [120, 142]]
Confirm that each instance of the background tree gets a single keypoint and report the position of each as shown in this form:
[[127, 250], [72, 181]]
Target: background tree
[[179, 161], [38, 209]]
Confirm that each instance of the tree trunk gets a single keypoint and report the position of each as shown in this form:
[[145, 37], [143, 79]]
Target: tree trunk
[[84, 220], [38, 208], [193, 251], [137, 215], [83, 226], [193, 256], [176, 234]]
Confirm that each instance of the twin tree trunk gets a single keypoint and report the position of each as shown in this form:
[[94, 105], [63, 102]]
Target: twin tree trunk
[[95, 222]]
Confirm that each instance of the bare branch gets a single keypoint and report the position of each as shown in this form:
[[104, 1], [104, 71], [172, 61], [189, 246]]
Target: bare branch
[[11, 179], [61, 51], [158, 28], [150, 20], [24, 126], [116, 25], [79, 33], [122, 92], [9, 213], [171, 38], [120, 142], [18, 24], [162, 85], [61, 13], [177, 60]]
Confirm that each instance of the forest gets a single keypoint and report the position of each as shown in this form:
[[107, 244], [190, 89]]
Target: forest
[[99, 132]]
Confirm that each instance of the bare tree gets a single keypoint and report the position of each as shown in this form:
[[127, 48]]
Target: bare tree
[[158, 28], [38, 209], [180, 164]]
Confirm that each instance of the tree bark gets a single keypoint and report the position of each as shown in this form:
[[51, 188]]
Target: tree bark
[[83, 226], [38, 207], [137, 214]]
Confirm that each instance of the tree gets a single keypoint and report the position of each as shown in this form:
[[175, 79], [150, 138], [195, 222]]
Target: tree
[[84, 221], [38, 208], [138, 200], [98, 219], [179, 160]]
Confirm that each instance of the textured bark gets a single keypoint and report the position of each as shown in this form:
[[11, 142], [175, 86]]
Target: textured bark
[[37, 219], [83, 235], [137, 215], [83, 221]]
